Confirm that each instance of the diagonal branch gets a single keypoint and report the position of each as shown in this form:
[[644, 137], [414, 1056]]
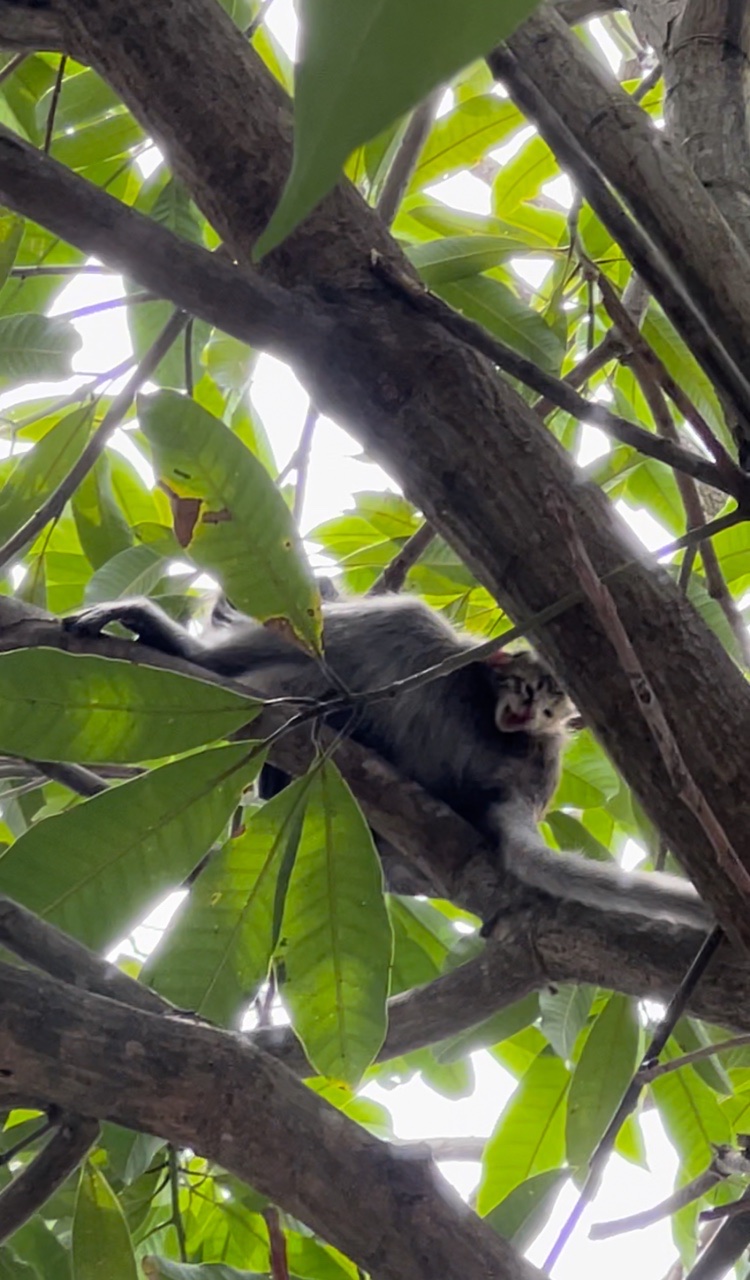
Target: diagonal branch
[[235, 1105]]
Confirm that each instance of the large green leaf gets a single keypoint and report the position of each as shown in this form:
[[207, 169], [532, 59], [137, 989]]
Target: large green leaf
[[219, 947], [505, 316], [362, 64], [521, 1214], [64, 706], [456, 257], [36, 474], [529, 1137], [565, 1011], [101, 527], [11, 234], [101, 1241], [135, 571], [460, 139], [96, 869], [36, 347], [603, 1073], [588, 779], [337, 942], [112, 137], [241, 529], [85, 97]]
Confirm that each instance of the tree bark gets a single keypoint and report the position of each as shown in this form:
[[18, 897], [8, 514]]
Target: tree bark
[[215, 1093]]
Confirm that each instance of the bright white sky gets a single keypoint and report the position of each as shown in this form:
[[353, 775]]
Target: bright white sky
[[336, 474]]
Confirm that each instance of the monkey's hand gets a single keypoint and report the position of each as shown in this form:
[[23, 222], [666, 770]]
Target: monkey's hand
[[141, 616]]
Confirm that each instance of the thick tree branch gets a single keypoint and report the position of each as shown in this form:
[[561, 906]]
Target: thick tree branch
[[235, 1105]]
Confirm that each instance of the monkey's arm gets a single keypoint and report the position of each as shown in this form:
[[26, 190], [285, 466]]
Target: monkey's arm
[[145, 619]]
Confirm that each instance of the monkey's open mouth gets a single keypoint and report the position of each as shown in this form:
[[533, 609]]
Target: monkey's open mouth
[[516, 719]]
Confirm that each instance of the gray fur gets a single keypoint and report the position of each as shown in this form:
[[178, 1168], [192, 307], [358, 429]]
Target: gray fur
[[443, 735]]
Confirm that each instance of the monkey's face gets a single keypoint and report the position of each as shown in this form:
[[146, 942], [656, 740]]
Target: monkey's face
[[529, 698]]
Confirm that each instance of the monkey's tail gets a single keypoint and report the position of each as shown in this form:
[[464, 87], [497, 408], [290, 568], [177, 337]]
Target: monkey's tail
[[604, 885], [596, 884]]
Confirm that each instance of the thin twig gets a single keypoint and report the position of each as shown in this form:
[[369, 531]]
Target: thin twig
[[50, 126], [52, 507], [258, 20], [75, 397], [12, 66], [405, 160], [632, 335], [33, 1186], [729, 480], [187, 339], [79, 269], [94, 308], [679, 1199], [302, 459], [656, 1069], [672, 1015], [174, 1194], [648, 83], [276, 1244], [74, 776], [394, 575]]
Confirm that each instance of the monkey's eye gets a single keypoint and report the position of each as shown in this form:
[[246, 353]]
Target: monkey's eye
[[547, 712]]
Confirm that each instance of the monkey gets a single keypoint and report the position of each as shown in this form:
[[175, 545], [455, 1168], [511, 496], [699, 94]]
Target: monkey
[[486, 739]]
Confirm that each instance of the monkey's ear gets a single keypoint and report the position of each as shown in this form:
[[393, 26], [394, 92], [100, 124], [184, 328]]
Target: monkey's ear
[[500, 658]]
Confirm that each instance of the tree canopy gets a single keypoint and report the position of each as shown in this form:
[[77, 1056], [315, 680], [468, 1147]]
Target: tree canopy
[[605, 286]]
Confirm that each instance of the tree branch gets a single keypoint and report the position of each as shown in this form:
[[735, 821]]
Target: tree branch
[[235, 1105], [32, 1187]]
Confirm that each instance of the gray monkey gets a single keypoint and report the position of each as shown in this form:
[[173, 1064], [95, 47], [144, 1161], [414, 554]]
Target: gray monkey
[[486, 739]]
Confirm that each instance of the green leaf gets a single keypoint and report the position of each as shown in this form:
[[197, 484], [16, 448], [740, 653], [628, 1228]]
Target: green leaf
[[90, 710], [13, 1269], [494, 306], [112, 137], [521, 177], [362, 64], [571, 834], [101, 1244], [162, 1269], [588, 779], [96, 869], [602, 1074], [456, 257], [243, 530], [691, 1035], [135, 571], [521, 1214], [565, 1011], [11, 234], [38, 348], [337, 940], [492, 1031], [101, 527], [529, 1137], [85, 97], [691, 1115], [462, 138], [218, 948], [36, 474]]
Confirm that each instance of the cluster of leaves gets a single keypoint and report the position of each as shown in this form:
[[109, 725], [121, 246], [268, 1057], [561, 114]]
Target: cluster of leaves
[[293, 886]]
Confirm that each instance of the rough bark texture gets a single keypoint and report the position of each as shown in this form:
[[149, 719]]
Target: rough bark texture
[[214, 1092], [465, 447]]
